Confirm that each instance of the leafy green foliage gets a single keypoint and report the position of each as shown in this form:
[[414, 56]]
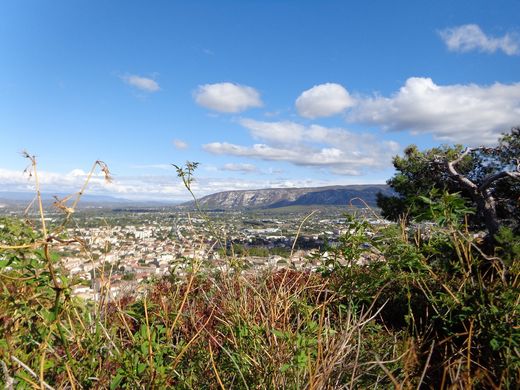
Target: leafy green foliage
[[444, 293], [417, 175], [416, 305], [421, 172], [508, 245], [445, 209]]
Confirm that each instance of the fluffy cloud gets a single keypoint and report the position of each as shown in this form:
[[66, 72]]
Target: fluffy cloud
[[179, 144], [50, 181], [142, 83], [227, 97], [141, 188], [470, 37], [131, 187], [336, 150], [469, 114], [211, 185], [245, 168], [324, 100], [279, 132]]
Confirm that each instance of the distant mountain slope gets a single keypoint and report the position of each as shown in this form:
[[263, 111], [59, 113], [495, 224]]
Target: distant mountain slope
[[49, 197], [281, 197], [24, 198]]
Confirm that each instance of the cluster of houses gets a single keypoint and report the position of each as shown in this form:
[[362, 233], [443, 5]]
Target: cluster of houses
[[112, 260]]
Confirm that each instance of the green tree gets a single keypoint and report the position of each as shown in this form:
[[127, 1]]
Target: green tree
[[487, 177]]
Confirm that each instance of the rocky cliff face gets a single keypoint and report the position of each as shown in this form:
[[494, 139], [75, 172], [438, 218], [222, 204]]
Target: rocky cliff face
[[280, 197]]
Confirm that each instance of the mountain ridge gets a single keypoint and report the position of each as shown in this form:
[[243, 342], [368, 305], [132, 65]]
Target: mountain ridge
[[282, 197]]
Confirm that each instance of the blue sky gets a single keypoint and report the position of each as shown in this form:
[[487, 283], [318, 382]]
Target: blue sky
[[261, 93]]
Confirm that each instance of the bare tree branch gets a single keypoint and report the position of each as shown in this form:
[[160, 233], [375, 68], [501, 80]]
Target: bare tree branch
[[487, 181], [497, 176], [459, 177]]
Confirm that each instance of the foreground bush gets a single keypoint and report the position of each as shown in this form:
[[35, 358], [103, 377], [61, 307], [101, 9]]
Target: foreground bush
[[429, 309], [278, 329]]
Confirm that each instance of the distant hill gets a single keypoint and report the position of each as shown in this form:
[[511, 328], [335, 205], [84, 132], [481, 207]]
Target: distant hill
[[282, 197], [17, 198], [28, 196]]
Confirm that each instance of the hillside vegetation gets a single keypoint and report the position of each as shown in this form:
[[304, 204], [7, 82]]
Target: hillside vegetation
[[433, 309]]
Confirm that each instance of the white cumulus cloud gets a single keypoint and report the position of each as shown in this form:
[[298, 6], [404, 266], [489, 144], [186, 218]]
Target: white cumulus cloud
[[142, 83], [180, 144], [50, 181], [469, 114], [324, 100], [334, 149], [227, 97], [165, 187], [470, 37], [141, 188], [274, 131]]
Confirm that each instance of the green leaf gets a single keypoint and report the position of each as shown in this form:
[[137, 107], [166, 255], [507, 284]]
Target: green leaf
[[144, 347], [285, 367], [425, 199], [114, 384], [494, 344], [279, 333], [140, 368]]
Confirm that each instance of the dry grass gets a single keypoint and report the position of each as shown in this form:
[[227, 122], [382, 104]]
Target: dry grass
[[406, 322]]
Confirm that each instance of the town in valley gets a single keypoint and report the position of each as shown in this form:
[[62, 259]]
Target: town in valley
[[115, 250]]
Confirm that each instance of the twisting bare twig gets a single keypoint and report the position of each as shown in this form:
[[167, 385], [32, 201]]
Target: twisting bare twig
[[31, 372], [9, 381], [299, 230]]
